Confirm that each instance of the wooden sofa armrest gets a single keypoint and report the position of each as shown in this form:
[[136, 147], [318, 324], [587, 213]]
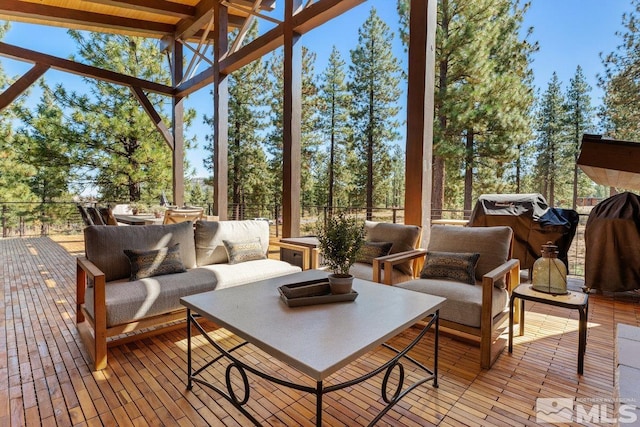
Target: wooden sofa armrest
[[386, 263], [88, 271], [307, 262]]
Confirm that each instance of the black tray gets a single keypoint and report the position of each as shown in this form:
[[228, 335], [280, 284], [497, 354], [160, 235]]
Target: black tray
[[312, 292]]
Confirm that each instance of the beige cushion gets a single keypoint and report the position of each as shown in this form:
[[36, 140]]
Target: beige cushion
[[105, 245], [403, 237], [247, 250], [227, 275], [464, 302], [209, 236], [492, 243]]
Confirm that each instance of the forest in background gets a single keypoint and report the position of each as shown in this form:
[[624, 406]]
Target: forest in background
[[492, 132]]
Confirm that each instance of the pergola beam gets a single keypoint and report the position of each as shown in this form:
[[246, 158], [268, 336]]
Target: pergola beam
[[189, 26], [84, 70], [22, 84], [153, 115], [157, 6]]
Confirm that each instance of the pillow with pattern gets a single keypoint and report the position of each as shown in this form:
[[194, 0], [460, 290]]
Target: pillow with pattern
[[149, 263], [247, 250], [457, 266], [371, 250]]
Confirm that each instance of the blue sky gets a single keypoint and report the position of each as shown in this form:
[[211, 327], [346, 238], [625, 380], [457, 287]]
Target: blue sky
[[569, 32]]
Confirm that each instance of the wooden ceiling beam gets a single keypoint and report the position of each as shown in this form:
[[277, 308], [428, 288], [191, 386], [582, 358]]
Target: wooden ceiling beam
[[77, 17], [153, 115], [321, 12], [162, 7], [84, 70]]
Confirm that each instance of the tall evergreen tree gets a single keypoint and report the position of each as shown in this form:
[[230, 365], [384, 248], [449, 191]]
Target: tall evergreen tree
[[551, 140], [119, 143], [246, 158], [374, 84], [579, 120], [483, 94], [310, 141], [334, 113]]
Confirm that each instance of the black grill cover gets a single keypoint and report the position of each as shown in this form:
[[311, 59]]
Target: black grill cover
[[612, 244], [533, 223]]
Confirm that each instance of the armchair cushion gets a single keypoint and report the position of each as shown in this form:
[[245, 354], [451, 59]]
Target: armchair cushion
[[492, 243], [371, 250], [460, 267], [403, 237]]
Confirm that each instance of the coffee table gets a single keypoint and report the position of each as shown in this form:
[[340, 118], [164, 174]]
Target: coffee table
[[316, 340]]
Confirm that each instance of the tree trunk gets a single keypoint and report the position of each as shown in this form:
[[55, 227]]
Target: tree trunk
[[437, 192], [369, 201], [332, 152], [468, 172], [236, 186]]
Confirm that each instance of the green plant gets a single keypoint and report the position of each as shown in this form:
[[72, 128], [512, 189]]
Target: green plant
[[340, 240]]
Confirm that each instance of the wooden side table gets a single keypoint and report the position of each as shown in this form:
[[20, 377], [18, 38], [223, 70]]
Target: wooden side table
[[572, 300]]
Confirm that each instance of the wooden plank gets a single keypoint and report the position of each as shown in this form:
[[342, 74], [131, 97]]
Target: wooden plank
[[72, 16], [153, 115], [177, 103], [22, 84], [220, 116]]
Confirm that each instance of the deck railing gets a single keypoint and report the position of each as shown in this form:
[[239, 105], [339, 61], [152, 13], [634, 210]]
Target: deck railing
[[20, 219]]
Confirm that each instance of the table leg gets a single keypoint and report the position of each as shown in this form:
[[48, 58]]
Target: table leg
[[435, 349], [189, 383], [582, 338], [521, 323], [319, 393], [511, 302]]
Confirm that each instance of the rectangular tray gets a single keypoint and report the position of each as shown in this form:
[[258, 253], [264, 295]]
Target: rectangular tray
[[311, 293]]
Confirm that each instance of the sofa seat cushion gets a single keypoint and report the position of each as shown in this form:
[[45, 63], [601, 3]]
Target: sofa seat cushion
[[364, 271], [128, 301], [464, 302], [228, 275]]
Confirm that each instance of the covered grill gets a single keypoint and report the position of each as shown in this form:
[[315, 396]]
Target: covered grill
[[533, 223], [612, 243]]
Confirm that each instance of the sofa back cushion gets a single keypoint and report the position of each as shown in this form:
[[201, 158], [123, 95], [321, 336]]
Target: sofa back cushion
[[105, 245], [492, 243], [210, 235], [403, 238]]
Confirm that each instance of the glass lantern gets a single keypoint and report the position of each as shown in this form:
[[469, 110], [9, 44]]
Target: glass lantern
[[550, 273]]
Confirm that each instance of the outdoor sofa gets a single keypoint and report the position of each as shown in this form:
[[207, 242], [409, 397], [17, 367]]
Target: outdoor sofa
[[114, 297]]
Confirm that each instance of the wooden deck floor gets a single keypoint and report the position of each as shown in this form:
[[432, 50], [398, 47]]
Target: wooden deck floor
[[45, 379]]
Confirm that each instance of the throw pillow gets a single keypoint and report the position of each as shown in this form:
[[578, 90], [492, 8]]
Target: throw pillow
[[451, 266], [371, 250], [247, 250], [154, 262]]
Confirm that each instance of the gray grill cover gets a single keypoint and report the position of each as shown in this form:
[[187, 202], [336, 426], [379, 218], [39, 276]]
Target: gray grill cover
[[612, 244], [533, 223]]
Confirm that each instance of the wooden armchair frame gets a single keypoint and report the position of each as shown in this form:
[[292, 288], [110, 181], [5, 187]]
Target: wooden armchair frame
[[490, 327], [174, 216]]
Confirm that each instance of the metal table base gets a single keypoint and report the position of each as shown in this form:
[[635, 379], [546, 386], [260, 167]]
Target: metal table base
[[320, 389]]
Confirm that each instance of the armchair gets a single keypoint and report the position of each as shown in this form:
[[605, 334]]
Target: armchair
[[175, 216], [476, 309]]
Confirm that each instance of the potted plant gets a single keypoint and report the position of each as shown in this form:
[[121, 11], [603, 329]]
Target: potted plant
[[158, 211], [340, 239]]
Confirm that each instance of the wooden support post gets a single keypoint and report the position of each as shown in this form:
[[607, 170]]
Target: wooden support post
[[420, 107], [292, 118], [220, 114], [178, 129]]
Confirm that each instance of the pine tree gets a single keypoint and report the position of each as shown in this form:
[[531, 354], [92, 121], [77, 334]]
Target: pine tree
[[580, 120], [246, 158], [483, 95], [551, 140], [333, 119], [310, 141], [374, 83], [621, 113], [118, 142]]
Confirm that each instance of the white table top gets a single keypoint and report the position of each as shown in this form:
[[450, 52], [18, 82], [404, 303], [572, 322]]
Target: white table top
[[319, 339]]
